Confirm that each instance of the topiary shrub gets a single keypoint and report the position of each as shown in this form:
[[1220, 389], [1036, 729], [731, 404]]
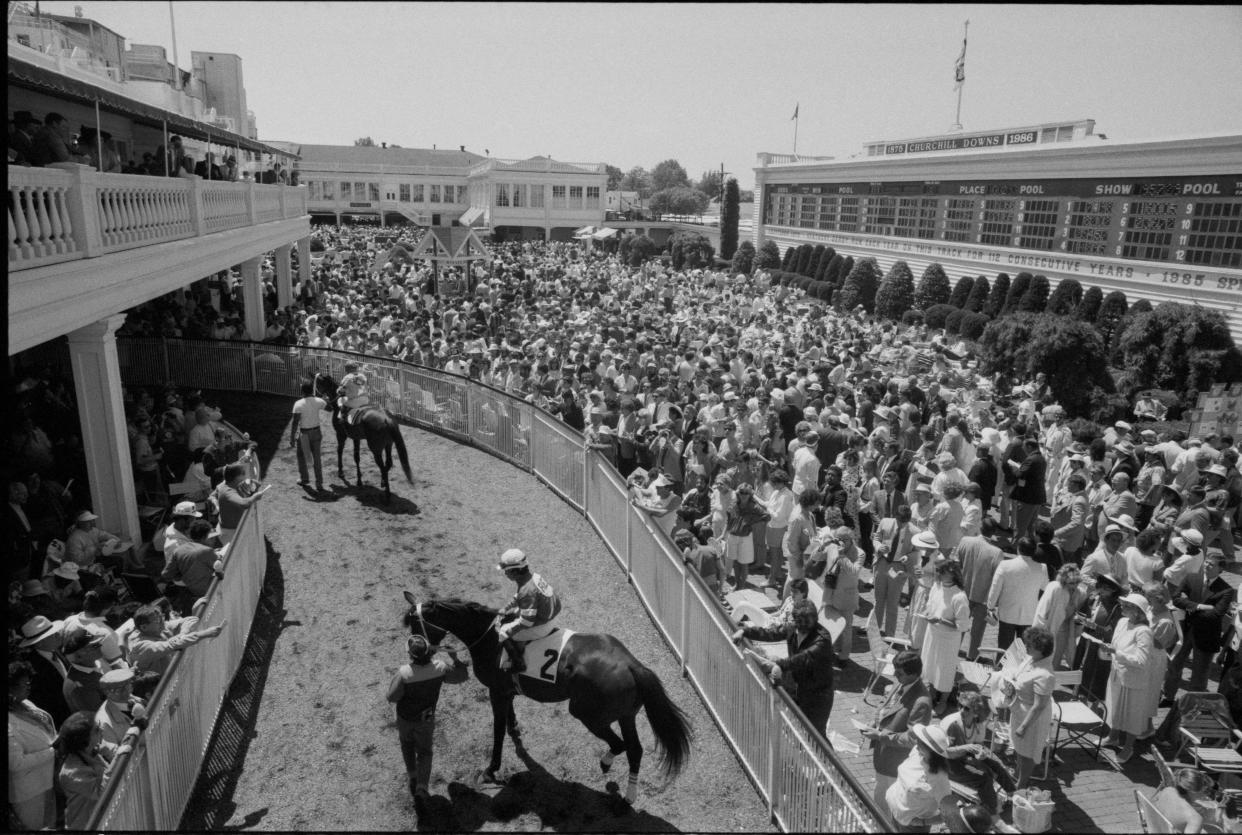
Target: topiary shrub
[[996, 297], [961, 291], [978, 295], [935, 316], [1017, 290], [933, 288], [953, 321], [1066, 298], [1035, 299], [912, 318], [1089, 307], [973, 325]]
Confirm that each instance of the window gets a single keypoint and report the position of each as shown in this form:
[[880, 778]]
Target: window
[[558, 197], [360, 191], [403, 192], [575, 197], [418, 193], [435, 194], [959, 220], [329, 190], [312, 190], [345, 190], [536, 197], [998, 217], [1216, 235], [24, 40], [592, 197], [849, 214], [373, 192], [1039, 223], [519, 196], [463, 194], [502, 194]]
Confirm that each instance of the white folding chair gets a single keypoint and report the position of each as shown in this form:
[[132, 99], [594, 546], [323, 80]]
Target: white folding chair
[[882, 655], [1150, 818], [1075, 715]]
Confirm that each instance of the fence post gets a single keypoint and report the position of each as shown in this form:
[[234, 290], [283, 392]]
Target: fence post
[[586, 480], [629, 536], [253, 370], [774, 749], [685, 613], [198, 218], [82, 204], [469, 407], [530, 439]]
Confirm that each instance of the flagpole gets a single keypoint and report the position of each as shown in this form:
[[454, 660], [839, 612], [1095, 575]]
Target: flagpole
[[797, 109], [957, 122]]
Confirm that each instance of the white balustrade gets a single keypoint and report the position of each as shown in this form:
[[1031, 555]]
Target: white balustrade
[[68, 211]]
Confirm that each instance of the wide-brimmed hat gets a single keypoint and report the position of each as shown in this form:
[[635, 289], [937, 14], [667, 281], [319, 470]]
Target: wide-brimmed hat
[[1139, 602], [66, 571], [933, 737], [1107, 581], [38, 628], [33, 588], [925, 539], [85, 516], [186, 509], [1125, 521]]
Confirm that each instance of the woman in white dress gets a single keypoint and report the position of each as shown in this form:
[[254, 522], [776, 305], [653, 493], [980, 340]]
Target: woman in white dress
[[1166, 636], [1030, 715], [1125, 698], [925, 548], [947, 615], [1055, 612]]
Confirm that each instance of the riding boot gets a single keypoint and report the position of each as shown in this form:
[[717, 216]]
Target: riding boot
[[517, 663]]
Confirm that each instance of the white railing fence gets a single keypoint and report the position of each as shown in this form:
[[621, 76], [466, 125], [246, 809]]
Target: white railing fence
[[805, 785]]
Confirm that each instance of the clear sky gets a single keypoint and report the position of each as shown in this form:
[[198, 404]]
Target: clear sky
[[704, 84]]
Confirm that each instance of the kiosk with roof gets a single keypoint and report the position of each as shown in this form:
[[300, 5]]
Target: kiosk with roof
[[451, 246]]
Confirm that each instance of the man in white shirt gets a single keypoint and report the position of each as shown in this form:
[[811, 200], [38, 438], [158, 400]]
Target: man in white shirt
[[306, 434], [1107, 559], [806, 464], [1015, 592]]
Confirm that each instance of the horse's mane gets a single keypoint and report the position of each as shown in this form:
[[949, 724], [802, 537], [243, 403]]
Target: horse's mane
[[454, 604]]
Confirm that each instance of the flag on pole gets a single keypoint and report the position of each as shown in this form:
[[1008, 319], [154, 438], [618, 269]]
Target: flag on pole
[[959, 71], [795, 116]]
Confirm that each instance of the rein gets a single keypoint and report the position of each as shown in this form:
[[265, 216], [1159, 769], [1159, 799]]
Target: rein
[[422, 625]]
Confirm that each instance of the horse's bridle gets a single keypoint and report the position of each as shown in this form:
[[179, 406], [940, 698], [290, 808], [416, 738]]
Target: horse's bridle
[[422, 625]]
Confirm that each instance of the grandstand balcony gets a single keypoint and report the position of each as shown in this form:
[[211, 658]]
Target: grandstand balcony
[[83, 245]]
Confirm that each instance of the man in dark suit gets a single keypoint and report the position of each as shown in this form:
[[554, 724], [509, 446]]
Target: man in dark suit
[[1028, 491], [890, 496], [909, 703], [808, 665], [21, 138], [833, 440], [44, 638]]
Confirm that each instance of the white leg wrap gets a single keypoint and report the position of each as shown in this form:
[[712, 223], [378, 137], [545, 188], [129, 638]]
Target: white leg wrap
[[607, 759], [631, 790]]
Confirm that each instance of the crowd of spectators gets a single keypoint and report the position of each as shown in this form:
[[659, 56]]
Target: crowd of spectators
[[781, 444], [41, 142]]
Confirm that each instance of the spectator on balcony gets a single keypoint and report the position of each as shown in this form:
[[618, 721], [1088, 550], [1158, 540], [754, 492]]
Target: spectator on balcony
[[229, 171], [83, 653], [190, 566], [155, 640], [54, 143], [32, 793], [232, 502], [92, 142], [207, 168], [86, 543], [97, 604], [84, 773], [120, 711], [21, 137]]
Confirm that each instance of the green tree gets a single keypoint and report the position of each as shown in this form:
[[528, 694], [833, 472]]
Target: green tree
[[933, 288], [1069, 351], [996, 298], [641, 249], [1021, 283], [364, 142], [804, 260], [817, 255], [1035, 299], [743, 258], [835, 263], [638, 179], [978, 297], [615, 176], [768, 257], [669, 174], [822, 272], [961, 292], [690, 250], [1066, 298], [729, 217], [678, 201], [789, 259], [847, 267], [1112, 311], [860, 287], [896, 293], [709, 184], [1089, 307], [1178, 347]]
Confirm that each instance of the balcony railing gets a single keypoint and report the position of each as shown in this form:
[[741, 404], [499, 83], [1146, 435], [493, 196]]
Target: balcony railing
[[70, 211]]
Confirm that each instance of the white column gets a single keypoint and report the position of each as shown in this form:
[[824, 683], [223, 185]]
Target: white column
[[304, 258], [284, 276], [252, 295], [97, 383], [757, 228]]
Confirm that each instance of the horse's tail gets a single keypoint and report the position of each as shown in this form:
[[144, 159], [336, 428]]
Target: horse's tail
[[668, 722], [399, 442]]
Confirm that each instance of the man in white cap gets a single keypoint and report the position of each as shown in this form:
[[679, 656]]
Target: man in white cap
[[120, 711], [85, 543], [1185, 573], [176, 533], [1108, 558], [530, 613], [663, 506]]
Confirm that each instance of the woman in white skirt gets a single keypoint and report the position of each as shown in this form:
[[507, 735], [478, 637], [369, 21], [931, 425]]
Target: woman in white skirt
[[1125, 698], [946, 613], [1166, 636], [924, 548]]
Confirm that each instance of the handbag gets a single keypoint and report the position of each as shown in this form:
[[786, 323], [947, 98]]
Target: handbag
[[830, 579]]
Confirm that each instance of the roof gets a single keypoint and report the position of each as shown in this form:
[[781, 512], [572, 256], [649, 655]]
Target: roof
[[544, 164], [31, 77], [375, 155]]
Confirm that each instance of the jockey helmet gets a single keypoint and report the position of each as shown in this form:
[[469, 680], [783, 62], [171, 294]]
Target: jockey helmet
[[513, 559]]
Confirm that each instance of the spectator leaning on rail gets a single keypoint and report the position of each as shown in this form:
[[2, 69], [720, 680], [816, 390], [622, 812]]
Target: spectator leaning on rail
[[807, 671], [233, 502], [155, 641]]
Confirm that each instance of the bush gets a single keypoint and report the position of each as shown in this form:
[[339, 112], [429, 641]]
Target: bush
[[768, 257], [933, 288], [978, 296], [834, 269], [1017, 291], [1089, 308], [824, 291], [961, 292], [787, 261], [997, 296], [896, 293], [802, 282], [1066, 298], [1112, 311], [641, 249], [1070, 352], [817, 255], [1178, 347], [690, 250], [729, 215], [743, 259], [804, 260], [953, 322], [935, 316], [912, 317], [821, 274], [1035, 299], [973, 325], [860, 287]]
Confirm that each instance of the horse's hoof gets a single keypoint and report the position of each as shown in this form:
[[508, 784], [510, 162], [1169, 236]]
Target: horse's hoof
[[489, 776]]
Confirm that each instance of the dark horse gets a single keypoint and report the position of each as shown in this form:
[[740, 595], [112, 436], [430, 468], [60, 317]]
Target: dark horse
[[603, 682], [377, 426]]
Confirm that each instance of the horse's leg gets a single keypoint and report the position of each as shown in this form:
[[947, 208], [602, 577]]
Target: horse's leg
[[377, 452], [515, 730], [340, 453], [633, 753], [502, 704], [357, 463], [604, 731]]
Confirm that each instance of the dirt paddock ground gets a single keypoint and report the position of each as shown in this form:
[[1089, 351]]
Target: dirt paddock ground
[[306, 739]]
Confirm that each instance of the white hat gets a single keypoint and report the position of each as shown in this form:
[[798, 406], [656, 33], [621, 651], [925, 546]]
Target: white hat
[[1123, 426], [38, 628], [67, 570], [112, 678], [1125, 521], [662, 481], [186, 509], [933, 737], [85, 516], [1218, 470], [1139, 602], [513, 558], [1114, 528], [925, 539], [1192, 536]]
